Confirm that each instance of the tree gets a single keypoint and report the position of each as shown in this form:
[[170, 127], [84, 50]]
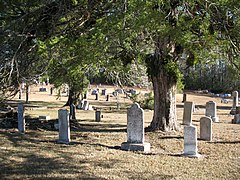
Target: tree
[[168, 33]]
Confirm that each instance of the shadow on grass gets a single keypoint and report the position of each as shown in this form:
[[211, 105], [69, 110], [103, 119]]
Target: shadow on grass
[[97, 127], [224, 142], [33, 160]]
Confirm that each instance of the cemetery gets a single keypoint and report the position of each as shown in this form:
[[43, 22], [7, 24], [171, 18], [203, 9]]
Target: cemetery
[[112, 144], [119, 89]]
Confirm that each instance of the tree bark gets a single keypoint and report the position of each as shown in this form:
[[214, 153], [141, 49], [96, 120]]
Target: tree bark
[[165, 116], [72, 97]]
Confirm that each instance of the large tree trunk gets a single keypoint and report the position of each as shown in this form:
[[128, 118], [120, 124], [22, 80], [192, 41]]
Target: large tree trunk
[[72, 97], [165, 117]]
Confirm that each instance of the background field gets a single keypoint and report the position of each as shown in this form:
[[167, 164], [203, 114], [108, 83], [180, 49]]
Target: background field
[[94, 152]]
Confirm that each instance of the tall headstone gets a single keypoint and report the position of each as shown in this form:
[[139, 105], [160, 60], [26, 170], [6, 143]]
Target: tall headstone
[[187, 113], [21, 119], [97, 96], [135, 130], [98, 115], [206, 128], [64, 126], [190, 142], [211, 111], [235, 102], [72, 111], [108, 98]]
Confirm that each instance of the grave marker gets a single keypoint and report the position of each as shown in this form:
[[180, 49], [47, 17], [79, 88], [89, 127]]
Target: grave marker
[[206, 128], [21, 119], [135, 130], [190, 142], [64, 126], [187, 113], [211, 111], [235, 102]]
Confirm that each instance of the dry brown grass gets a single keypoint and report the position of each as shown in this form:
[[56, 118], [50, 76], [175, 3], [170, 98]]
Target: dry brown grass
[[94, 152]]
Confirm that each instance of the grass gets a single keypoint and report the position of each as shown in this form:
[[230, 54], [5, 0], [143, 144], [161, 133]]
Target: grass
[[95, 153]]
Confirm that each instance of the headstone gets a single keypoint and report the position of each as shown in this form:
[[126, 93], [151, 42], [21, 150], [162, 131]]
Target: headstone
[[98, 115], [72, 111], [211, 111], [236, 119], [64, 127], [108, 98], [235, 102], [184, 97], [85, 105], [115, 93], [190, 141], [135, 130], [187, 113], [96, 97], [21, 119], [104, 92], [206, 128], [42, 89]]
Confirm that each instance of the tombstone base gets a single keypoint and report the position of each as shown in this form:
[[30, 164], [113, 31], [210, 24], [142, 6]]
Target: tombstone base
[[145, 147], [215, 119], [60, 141], [192, 155]]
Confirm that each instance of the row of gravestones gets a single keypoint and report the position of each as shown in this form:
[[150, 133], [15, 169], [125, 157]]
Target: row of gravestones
[[211, 108], [190, 131], [135, 129]]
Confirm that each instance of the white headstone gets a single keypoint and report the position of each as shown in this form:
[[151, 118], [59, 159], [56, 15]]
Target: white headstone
[[211, 111], [135, 130], [187, 113], [190, 141], [85, 105], [235, 102], [21, 119], [206, 128], [64, 126]]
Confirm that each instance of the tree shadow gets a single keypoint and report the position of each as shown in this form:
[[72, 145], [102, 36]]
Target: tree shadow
[[224, 142], [96, 127]]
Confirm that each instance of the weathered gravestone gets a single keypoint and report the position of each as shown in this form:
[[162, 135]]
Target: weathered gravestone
[[72, 111], [206, 128], [104, 92], [187, 113], [21, 119], [235, 102], [64, 126], [135, 130], [190, 142], [211, 111]]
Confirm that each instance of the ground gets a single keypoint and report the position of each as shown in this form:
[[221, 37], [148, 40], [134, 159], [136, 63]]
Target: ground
[[94, 151]]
